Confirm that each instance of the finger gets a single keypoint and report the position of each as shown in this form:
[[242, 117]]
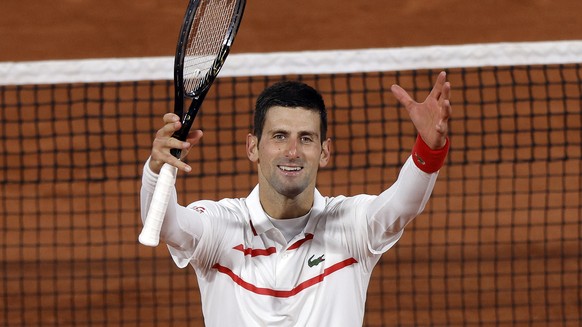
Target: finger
[[170, 117], [442, 125], [194, 137], [172, 123], [402, 96], [164, 142], [446, 91], [174, 143], [178, 164], [168, 129], [161, 153], [438, 85], [446, 110], [446, 96]]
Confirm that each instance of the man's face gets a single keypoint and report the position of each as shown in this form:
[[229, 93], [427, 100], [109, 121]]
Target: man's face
[[290, 151]]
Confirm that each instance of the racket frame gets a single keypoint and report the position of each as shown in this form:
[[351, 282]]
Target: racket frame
[[197, 96], [150, 233]]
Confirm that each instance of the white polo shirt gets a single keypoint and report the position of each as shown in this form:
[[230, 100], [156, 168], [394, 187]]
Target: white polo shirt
[[249, 275]]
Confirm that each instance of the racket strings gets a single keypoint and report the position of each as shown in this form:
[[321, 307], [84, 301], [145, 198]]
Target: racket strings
[[208, 35]]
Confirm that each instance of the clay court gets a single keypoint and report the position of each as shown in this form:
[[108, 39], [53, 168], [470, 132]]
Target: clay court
[[70, 212], [73, 29]]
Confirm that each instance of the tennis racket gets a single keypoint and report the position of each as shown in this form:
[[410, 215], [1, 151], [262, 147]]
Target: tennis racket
[[206, 35]]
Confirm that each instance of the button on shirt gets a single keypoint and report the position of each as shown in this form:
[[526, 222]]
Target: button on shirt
[[250, 275]]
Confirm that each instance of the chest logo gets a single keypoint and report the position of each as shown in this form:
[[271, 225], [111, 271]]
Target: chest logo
[[199, 209], [311, 262]]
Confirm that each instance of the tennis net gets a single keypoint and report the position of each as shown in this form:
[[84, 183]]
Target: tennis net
[[498, 244]]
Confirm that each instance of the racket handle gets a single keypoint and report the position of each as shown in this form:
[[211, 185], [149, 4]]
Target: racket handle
[[150, 234]]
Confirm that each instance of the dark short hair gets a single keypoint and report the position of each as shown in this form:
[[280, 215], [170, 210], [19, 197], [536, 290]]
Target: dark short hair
[[289, 94]]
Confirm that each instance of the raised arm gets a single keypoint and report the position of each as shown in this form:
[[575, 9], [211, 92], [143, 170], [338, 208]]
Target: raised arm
[[173, 231], [394, 208]]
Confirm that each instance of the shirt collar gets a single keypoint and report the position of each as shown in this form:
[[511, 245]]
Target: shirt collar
[[261, 223]]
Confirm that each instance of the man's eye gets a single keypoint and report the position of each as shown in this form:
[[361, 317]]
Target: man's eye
[[306, 139], [279, 137]]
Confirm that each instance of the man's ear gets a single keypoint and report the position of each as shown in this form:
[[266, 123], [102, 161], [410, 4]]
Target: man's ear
[[325, 153], [252, 147]]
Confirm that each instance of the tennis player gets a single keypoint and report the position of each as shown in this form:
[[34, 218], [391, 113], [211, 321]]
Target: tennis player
[[287, 255]]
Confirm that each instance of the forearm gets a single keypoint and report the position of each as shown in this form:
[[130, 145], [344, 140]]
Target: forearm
[[397, 206]]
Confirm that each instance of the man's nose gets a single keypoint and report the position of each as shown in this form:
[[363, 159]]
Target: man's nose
[[292, 148]]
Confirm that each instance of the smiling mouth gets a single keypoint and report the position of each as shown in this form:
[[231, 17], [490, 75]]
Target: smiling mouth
[[290, 168]]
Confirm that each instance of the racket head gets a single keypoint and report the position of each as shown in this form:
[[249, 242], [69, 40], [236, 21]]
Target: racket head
[[206, 36]]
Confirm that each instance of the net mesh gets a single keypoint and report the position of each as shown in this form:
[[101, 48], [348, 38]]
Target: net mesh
[[498, 243]]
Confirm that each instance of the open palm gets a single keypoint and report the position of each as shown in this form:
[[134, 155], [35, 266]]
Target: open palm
[[431, 116]]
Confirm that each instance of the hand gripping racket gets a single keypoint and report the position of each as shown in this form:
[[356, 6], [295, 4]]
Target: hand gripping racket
[[207, 33]]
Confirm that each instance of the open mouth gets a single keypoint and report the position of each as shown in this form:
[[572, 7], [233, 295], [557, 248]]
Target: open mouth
[[290, 168]]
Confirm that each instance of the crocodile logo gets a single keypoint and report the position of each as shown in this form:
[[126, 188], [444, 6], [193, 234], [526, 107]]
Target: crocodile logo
[[311, 262]]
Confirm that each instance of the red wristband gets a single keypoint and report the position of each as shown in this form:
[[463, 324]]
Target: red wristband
[[427, 159]]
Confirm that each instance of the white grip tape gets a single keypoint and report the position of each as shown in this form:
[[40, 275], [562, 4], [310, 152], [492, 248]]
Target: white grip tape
[[150, 234]]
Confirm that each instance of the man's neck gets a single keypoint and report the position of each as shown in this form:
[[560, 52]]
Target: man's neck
[[281, 207]]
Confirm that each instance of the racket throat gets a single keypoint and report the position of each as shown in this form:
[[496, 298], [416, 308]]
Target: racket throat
[[187, 121]]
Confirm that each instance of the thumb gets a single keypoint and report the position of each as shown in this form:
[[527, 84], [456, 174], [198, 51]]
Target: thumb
[[402, 96], [193, 138]]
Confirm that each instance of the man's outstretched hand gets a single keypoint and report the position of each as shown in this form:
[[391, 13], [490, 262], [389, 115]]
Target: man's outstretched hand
[[431, 116]]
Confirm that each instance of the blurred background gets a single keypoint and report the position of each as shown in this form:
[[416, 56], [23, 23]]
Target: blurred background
[[72, 29]]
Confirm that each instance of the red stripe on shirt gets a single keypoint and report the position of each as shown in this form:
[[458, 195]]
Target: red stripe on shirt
[[253, 228], [255, 252], [300, 242], [271, 250], [280, 293]]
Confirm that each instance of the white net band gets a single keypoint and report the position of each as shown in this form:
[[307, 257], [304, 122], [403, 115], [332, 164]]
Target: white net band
[[304, 62]]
